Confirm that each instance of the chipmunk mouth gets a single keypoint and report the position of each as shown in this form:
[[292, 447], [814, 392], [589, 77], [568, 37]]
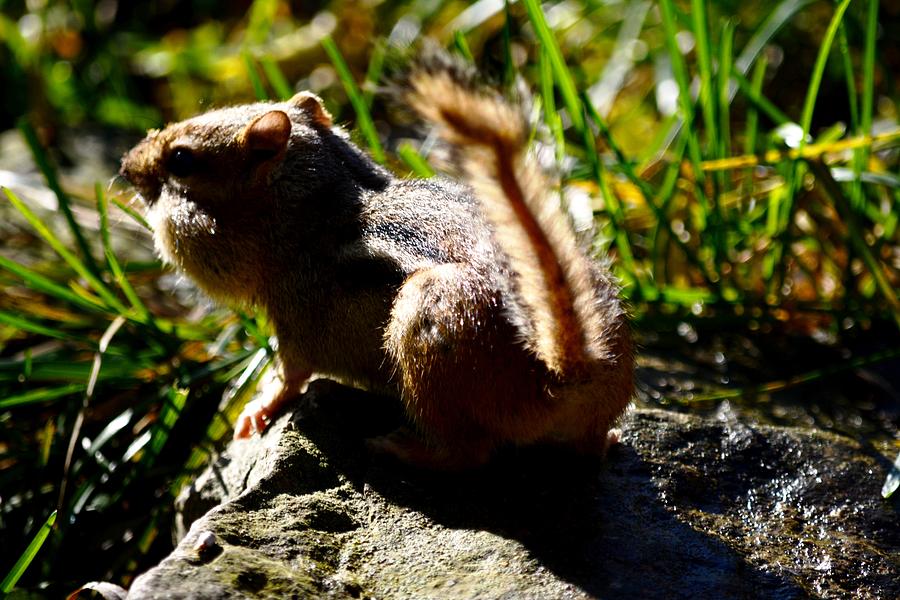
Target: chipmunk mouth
[[146, 191]]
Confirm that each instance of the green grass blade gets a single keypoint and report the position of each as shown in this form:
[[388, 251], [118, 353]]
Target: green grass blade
[[76, 287], [135, 215], [723, 111], [760, 102], [259, 24], [24, 324], [679, 69], [551, 116], [249, 372], [686, 108], [617, 215], [560, 70], [613, 78], [665, 192], [622, 161], [726, 46], [815, 81], [686, 296], [774, 21], [41, 395], [657, 148], [889, 180], [412, 158], [96, 365], [861, 156], [256, 82], [222, 370], [796, 172], [892, 481], [751, 130], [707, 99], [509, 67], [462, 46], [363, 116], [25, 559], [373, 73], [22, 51], [847, 64], [66, 370], [112, 428], [630, 274], [868, 69], [276, 78], [700, 23], [47, 286], [253, 330], [73, 261], [43, 163], [113, 262], [613, 206], [169, 415], [796, 380], [857, 236]]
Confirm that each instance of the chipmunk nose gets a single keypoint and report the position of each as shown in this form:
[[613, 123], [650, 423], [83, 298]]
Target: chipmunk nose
[[141, 171]]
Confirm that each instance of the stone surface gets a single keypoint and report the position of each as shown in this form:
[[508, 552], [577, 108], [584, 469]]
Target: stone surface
[[683, 508]]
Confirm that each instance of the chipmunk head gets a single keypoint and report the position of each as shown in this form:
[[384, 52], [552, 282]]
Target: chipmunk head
[[210, 182]]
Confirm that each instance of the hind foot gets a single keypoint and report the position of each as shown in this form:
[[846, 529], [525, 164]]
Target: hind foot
[[597, 445], [613, 438], [406, 446]]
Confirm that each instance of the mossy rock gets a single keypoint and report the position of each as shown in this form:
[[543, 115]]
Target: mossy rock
[[684, 507]]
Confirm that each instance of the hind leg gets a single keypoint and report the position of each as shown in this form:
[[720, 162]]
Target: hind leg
[[440, 328], [596, 443], [409, 447], [592, 407]]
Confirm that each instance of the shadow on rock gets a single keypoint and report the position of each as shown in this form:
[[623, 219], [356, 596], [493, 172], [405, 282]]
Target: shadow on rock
[[684, 507], [604, 528]]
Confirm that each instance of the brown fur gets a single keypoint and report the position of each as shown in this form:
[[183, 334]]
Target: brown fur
[[553, 273], [410, 287]]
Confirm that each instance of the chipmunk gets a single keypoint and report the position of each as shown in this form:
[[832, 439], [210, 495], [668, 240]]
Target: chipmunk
[[472, 303]]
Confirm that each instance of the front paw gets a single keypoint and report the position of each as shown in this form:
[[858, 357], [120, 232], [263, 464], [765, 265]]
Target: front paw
[[281, 386], [255, 417]]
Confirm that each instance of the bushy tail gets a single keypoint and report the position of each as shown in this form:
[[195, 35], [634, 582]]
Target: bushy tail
[[554, 275]]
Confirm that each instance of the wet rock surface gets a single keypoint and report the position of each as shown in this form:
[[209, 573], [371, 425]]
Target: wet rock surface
[[684, 508]]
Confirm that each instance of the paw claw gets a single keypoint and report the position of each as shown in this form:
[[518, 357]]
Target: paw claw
[[259, 422]]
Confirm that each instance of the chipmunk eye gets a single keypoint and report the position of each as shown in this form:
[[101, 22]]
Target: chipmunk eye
[[181, 162]]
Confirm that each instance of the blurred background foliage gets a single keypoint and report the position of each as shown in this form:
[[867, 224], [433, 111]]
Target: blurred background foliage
[[738, 162]]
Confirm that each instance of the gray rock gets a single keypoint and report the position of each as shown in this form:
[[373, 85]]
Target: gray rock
[[683, 508]]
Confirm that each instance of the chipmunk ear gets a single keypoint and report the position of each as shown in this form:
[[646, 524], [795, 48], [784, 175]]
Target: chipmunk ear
[[268, 133], [312, 106]]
